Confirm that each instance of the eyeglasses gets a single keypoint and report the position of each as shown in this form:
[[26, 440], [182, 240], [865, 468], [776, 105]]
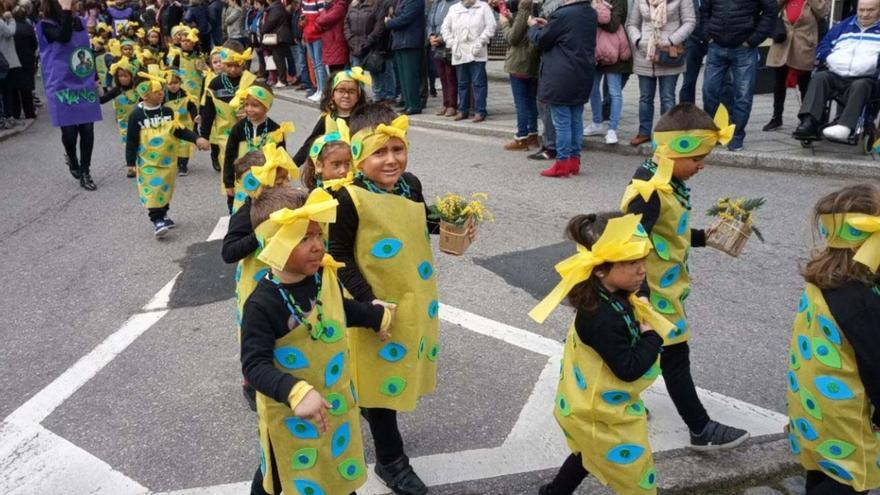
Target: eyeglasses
[[346, 92]]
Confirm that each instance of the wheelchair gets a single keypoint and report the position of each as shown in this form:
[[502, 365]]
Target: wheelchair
[[865, 132]]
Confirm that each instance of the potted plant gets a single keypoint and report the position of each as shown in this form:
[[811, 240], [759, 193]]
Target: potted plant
[[457, 215], [735, 224]]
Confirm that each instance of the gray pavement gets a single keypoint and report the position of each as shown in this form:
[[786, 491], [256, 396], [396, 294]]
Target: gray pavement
[[166, 410]]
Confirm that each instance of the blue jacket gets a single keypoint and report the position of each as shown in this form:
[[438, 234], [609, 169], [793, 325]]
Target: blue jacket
[[197, 15], [438, 12], [730, 23], [408, 25], [568, 46], [848, 51], [215, 17]]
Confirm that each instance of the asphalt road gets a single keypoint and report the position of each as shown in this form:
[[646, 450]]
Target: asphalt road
[[168, 411]]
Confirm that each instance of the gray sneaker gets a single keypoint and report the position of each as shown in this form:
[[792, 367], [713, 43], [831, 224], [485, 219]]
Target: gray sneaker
[[716, 436]]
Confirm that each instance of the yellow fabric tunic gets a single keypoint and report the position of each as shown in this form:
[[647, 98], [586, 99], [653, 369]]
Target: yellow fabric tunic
[[308, 461], [122, 105], [179, 107], [101, 68], [192, 77], [157, 164], [830, 413], [603, 419], [393, 252]]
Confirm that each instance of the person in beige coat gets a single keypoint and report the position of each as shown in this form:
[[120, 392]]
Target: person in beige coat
[[794, 57], [655, 28]]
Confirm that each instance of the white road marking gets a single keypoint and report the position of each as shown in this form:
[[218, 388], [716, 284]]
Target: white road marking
[[220, 229]]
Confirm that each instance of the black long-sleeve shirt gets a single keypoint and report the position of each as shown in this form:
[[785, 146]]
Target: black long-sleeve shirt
[[112, 93], [238, 135], [221, 92], [191, 107], [63, 31], [607, 333], [265, 321], [143, 118], [344, 232], [856, 308], [240, 240]]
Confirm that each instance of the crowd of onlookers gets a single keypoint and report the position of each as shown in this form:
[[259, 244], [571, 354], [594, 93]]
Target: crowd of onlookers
[[18, 63]]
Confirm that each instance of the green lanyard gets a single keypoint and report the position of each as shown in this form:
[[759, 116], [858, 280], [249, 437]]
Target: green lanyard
[[250, 136], [634, 331], [400, 189], [298, 314]]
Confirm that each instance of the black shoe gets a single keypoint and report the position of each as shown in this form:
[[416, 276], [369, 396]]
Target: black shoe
[[182, 170], [808, 129], [545, 490], [400, 477], [433, 93], [215, 164], [775, 123], [543, 154], [169, 223], [250, 396], [86, 182], [74, 169], [400, 104], [411, 112], [716, 436]]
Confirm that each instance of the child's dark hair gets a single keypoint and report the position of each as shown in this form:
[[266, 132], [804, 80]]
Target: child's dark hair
[[586, 230], [233, 45], [252, 159], [309, 175], [274, 199], [327, 104], [370, 115], [134, 79], [829, 267], [685, 116]]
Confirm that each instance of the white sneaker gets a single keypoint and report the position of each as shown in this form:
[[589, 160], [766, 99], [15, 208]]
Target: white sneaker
[[279, 84], [611, 137], [594, 129], [837, 132], [315, 97]]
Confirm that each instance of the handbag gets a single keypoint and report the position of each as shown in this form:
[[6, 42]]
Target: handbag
[[374, 62], [270, 39], [611, 48], [670, 61], [779, 32]]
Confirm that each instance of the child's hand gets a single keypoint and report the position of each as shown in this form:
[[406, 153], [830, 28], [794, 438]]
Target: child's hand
[[230, 191], [203, 144], [384, 335], [644, 327], [314, 408], [385, 331]]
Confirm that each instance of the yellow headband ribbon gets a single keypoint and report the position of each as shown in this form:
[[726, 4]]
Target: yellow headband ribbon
[[257, 178], [355, 74], [337, 184], [123, 63], [178, 29], [366, 141], [193, 35], [231, 56], [260, 94], [155, 80], [645, 188], [855, 231], [286, 228], [102, 27], [695, 142], [141, 33], [336, 132], [616, 244]]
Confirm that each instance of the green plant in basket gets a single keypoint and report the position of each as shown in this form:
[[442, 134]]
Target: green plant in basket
[[739, 210], [456, 209]]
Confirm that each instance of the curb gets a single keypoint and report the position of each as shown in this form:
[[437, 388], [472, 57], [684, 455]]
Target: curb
[[8, 133], [743, 159]]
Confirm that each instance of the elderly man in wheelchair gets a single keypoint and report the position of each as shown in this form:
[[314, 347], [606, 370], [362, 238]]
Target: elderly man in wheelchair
[[846, 72]]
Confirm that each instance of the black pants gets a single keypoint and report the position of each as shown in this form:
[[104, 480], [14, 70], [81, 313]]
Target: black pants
[[779, 89], [86, 135], [826, 85], [818, 483], [675, 362], [158, 213], [215, 155], [386, 434], [569, 477], [279, 54]]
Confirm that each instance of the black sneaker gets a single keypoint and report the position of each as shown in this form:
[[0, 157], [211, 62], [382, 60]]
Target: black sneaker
[[130, 172], [86, 182], [807, 130], [400, 477], [215, 164], [716, 436], [543, 154], [169, 223], [775, 123], [182, 170], [545, 490], [72, 167], [159, 228]]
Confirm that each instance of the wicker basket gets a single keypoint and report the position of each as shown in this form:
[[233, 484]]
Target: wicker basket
[[453, 238], [729, 236]]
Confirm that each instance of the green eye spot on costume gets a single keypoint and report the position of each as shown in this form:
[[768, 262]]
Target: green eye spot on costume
[[351, 469], [635, 409], [338, 404], [578, 377], [836, 449], [826, 353], [304, 458], [661, 246], [652, 373], [421, 347], [811, 405], [393, 386], [662, 304], [649, 479], [684, 144], [356, 148], [850, 233], [563, 405], [432, 354]]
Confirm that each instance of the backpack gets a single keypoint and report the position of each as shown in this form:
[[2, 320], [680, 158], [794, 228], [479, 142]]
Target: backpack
[[611, 48]]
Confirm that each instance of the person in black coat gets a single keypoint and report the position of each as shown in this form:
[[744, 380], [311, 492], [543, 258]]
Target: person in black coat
[[276, 20], [215, 16], [21, 79], [567, 41], [170, 15]]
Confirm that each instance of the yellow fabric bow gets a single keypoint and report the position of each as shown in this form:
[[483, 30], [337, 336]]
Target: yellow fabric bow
[[286, 228], [616, 244], [123, 63], [261, 94], [193, 35], [114, 48], [155, 80], [646, 313], [855, 231], [276, 157], [102, 27], [695, 142], [141, 33], [337, 184], [336, 132], [284, 128], [178, 29], [355, 74], [366, 141], [97, 43], [645, 188], [231, 56]]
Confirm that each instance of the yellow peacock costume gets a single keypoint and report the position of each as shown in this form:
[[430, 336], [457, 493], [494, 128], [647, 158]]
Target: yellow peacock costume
[[127, 99]]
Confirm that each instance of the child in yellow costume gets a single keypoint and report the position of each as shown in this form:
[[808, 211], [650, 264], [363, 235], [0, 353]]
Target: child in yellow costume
[[189, 61], [177, 34], [295, 352], [212, 71], [611, 356], [684, 136], [184, 106], [329, 163], [834, 363], [124, 96], [151, 146], [252, 133], [102, 70]]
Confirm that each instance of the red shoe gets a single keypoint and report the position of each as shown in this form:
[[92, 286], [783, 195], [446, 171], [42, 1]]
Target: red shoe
[[574, 165], [560, 168]]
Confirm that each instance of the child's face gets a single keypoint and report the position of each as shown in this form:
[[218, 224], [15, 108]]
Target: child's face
[[626, 275], [187, 44], [232, 69], [685, 168], [124, 77], [306, 258], [153, 98], [174, 85], [216, 63], [178, 38], [255, 110], [385, 165], [334, 163], [153, 38], [127, 50], [345, 96]]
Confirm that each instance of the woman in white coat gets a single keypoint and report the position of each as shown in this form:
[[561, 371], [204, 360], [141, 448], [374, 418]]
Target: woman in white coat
[[466, 30]]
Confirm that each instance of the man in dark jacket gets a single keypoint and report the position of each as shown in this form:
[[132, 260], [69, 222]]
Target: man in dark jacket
[[215, 17], [170, 15], [734, 29], [197, 16], [407, 26], [567, 42]]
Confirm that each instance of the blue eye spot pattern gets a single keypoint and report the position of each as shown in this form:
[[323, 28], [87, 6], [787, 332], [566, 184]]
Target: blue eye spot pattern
[[306, 487], [386, 248], [830, 330], [833, 388], [835, 470], [340, 440], [392, 352], [626, 453], [804, 302], [615, 397], [425, 270], [804, 347], [301, 428], [792, 381], [794, 444], [334, 369], [249, 182], [433, 309], [670, 277], [291, 358], [806, 429], [683, 223], [662, 304], [579, 378]]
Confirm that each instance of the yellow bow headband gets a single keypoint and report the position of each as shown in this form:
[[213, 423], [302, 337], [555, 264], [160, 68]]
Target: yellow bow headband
[[231, 56], [335, 133], [260, 94], [217, 50], [286, 228], [193, 35], [155, 80], [366, 141], [154, 30], [616, 244], [123, 63], [102, 27], [355, 74], [141, 33], [645, 188], [97, 43], [855, 231], [257, 178], [178, 29], [695, 142]]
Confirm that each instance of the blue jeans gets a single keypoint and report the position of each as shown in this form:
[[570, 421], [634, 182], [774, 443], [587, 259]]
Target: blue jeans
[[742, 64], [525, 99], [315, 51], [615, 93], [384, 83], [569, 124], [695, 54], [647, 90], [472, 74], [299, 62]]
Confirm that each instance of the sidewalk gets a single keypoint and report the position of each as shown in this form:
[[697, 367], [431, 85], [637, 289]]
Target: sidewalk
[[775, 150], [18, 129]]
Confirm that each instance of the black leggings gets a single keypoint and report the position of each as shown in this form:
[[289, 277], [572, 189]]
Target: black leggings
[[676, 365], [569, 477], [86, 134], [386, 434], [818, 483], [779, 89]]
